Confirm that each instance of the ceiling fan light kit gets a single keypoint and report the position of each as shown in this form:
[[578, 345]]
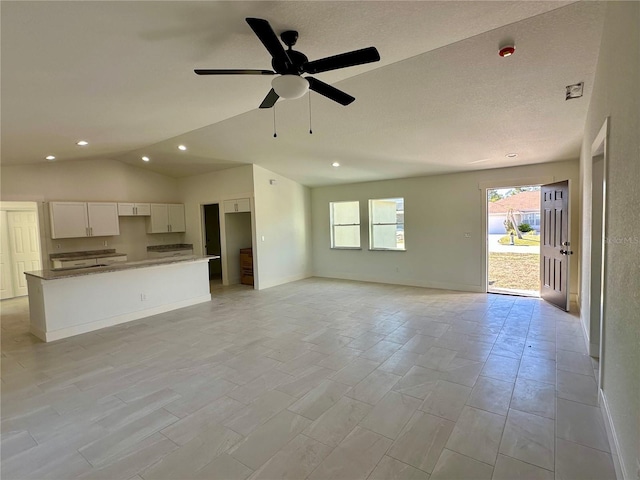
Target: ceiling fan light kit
[[290, 86]]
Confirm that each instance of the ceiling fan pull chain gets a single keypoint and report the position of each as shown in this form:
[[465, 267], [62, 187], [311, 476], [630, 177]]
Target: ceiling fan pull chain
[[274, 122], [310, 130]]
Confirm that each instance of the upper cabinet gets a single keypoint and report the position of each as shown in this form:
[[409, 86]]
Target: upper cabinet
[[237, 206], [166, 218], [83, 219], [134, 209]]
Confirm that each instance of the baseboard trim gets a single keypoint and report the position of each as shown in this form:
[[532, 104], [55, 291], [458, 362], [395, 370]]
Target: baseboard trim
[[621, 474], [585, 337], [117, 320], [282, 281], [408, 283]]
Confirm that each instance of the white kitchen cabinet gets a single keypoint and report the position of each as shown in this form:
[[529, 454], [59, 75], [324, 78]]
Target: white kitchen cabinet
[[103, 219], [82, 219], [166, 218], [237, 206], [88, 262], [85, 262], [176, 218], [134, 209], [111, 260]]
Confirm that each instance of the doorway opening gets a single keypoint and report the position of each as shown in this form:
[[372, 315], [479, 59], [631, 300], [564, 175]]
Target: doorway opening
[[513, 240], [212, 243], [19, 246]]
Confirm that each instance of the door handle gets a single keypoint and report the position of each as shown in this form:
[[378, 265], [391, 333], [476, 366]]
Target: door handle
[[566, 252]]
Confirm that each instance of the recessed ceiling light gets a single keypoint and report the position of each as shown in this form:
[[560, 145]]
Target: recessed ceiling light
[[50, 157], [335, 164], [146, 159], [82, 143], [182, 147], [511, 155]]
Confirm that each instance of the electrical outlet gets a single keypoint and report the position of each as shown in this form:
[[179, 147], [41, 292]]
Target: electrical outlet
[[57, 245], [143, 297], [106, 244]]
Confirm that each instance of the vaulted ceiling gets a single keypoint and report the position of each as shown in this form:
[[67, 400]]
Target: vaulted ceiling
[[120, 75]]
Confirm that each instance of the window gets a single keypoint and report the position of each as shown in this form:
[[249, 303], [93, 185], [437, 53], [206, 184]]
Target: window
[[386, 224], [345, 224]]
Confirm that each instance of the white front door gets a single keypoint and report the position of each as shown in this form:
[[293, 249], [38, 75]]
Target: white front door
[[24, 247]]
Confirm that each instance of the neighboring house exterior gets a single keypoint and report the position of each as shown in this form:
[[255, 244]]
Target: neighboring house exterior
[[526, 209]]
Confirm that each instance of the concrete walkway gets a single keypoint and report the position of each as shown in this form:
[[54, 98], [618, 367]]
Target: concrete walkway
[[495, 246]]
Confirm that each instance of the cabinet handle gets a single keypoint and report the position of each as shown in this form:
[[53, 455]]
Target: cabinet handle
[[91, 231], [86, 231], [135, 210]]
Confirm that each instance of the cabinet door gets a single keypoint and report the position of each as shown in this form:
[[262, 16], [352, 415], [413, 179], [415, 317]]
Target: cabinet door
[[142, 209], [69, 219], [87, 262], [126, 209], [103, 219], [230, 206], [159, 219], [111, 260], [176, 218], [244, 205]]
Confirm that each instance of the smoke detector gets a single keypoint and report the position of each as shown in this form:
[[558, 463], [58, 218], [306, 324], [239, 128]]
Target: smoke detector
[[507, 50]]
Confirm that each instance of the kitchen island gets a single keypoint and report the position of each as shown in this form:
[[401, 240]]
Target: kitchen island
[[67, 302]]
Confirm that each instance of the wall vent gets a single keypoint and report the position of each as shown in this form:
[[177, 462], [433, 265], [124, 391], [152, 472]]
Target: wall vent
[[574, 91]]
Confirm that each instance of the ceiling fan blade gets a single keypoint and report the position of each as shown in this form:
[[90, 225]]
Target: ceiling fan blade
[[270, 100], [200, 71], [269, 39], [330, 92], [349, 59]]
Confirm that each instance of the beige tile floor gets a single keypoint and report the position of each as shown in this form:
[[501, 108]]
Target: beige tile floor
[[315, 379]]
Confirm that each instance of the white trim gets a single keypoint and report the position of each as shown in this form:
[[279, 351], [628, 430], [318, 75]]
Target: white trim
[[117, 320], [459, 287], [282, 281], [18, 206], [516, 182], [613, 438]]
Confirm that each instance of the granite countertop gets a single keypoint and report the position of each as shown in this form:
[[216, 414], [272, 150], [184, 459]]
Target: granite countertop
[[116, 267], [107, 252], [169, 248]]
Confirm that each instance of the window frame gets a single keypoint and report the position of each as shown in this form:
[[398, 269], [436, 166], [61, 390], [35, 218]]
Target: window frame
[[332, 226], [372, 224]]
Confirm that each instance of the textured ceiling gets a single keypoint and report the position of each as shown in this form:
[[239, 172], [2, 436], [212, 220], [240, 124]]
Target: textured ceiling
[[120, 74]]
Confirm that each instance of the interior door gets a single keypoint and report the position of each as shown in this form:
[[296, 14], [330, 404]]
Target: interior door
[[6, 276], [25, 247], [555, 249]]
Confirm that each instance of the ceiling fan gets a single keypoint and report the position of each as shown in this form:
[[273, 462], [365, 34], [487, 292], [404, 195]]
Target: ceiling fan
[[290, 64]]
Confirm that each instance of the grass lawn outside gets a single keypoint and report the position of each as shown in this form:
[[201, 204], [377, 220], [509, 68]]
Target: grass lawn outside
[[516, 271], [527, 239]]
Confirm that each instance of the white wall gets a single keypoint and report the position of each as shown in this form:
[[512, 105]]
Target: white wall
[[615, 95], [438, 212], [92, 180], [283, 218], [210, 188]]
